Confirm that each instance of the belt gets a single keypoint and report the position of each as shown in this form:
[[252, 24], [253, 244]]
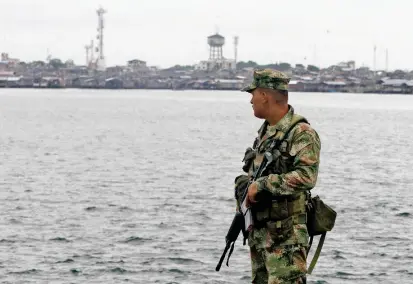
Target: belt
[[297, 219]]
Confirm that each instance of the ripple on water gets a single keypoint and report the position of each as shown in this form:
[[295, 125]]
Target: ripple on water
[[60, 239], [69, 260], [29, 271], [136, 240]]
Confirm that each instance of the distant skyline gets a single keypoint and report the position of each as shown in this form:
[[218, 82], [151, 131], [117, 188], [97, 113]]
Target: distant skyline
[[165, 33]]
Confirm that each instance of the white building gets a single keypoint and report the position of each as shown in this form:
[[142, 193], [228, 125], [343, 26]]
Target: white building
[[347, 66], [214, 65]]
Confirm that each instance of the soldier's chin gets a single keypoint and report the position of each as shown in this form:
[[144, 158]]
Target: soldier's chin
[[257, 114]]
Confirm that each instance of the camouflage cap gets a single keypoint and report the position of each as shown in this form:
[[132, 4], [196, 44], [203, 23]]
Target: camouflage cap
[[268, 78]]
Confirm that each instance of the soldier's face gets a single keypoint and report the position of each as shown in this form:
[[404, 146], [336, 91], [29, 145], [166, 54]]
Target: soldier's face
[[258, 103]]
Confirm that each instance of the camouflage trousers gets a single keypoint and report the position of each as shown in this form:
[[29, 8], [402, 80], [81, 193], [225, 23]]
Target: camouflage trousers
[[279, 265]]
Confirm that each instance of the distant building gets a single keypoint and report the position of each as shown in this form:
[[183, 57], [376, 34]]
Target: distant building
[[3, 66], [347, 66], [215, 65], [364, 72], [116, 70], [11, 62], [229, 84], [140, 68], [136, 64]]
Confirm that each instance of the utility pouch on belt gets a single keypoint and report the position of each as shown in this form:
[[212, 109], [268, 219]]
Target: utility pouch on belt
[[282, 208], [320, 220], [280, 216], [321, 217], [279, 210], [280, 230]]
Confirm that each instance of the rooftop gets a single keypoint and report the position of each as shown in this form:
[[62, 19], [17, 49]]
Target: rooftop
[[216, 36]]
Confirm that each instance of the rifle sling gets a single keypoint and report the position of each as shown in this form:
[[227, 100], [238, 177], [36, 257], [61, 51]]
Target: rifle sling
[[222, 256], [230, 252], [317, 253]]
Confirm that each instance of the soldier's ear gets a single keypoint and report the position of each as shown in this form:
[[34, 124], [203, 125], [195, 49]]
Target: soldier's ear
[[266, 95]]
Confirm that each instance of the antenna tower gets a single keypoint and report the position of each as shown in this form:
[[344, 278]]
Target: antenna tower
[[235, 50], [87, 48], [387, 60], [374, 60], [101, 25]]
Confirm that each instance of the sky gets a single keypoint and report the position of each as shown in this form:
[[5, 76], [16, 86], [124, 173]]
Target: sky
[[168, 32]]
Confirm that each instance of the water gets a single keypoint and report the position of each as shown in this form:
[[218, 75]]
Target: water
[[136, 186]]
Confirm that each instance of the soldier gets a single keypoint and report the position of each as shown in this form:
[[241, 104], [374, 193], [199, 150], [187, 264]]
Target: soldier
[[279, 237]]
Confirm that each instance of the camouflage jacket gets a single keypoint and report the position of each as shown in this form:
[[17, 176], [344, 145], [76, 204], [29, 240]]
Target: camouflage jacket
[[304, 147]]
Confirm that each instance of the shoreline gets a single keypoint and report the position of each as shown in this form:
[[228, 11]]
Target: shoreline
[[201, 89]]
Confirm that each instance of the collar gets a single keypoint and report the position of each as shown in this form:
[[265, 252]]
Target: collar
[[281, 125]]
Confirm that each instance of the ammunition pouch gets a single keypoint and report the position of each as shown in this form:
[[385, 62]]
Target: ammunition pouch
[[241, 183], [280, 216], [249, 157]]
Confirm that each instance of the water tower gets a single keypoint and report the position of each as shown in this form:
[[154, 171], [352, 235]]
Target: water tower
[[216, 42]]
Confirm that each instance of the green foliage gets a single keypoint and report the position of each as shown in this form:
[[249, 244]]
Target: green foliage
[[56, 63], [313, 68]]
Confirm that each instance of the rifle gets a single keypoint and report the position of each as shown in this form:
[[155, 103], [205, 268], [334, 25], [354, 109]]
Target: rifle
[[243, 219]]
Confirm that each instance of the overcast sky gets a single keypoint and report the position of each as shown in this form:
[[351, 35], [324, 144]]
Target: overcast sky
[[168, 32]]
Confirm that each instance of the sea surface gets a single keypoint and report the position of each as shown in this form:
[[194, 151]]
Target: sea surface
[[137, 186]]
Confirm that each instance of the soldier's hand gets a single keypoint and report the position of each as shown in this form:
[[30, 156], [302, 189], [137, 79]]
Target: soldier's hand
[[252, 192]]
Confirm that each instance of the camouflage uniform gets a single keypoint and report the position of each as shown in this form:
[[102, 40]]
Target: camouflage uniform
[[278, 250]]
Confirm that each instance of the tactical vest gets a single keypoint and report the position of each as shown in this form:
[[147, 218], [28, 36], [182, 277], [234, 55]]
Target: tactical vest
[[288, 210]]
